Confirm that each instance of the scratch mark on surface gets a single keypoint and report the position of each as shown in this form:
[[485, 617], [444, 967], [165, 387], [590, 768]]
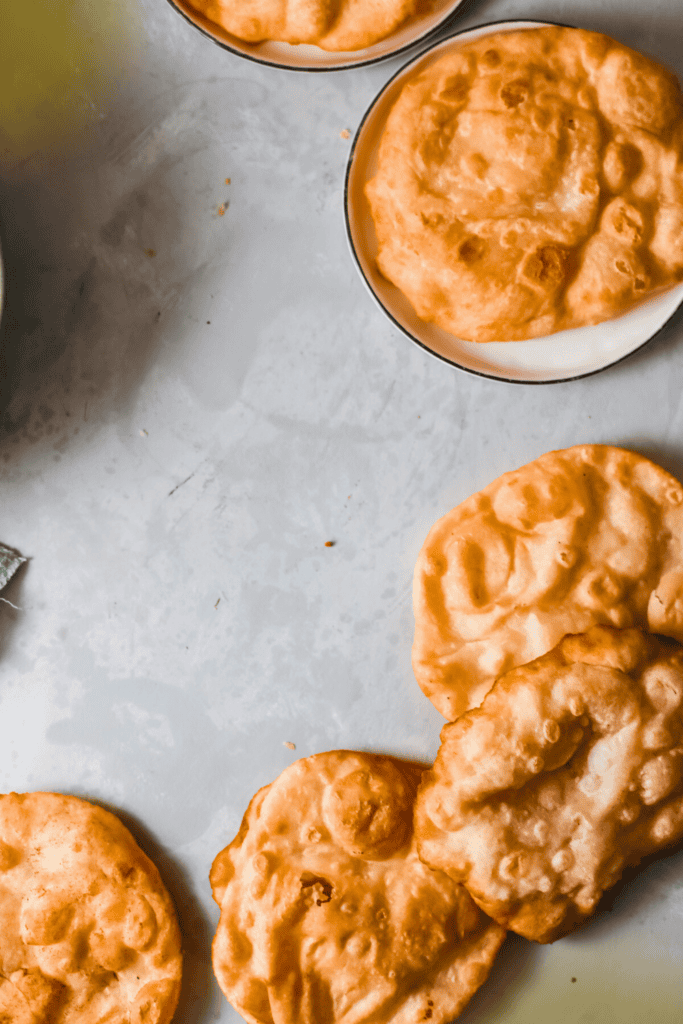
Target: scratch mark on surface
[[386, 402], [181, 484], [403, 598]]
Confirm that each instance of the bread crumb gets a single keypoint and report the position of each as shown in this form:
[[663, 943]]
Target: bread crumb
[[290, 745], [150, 252], [329, 543], [345, 134], [227, 181]]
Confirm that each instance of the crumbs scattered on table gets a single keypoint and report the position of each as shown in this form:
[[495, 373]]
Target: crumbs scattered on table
[[150, 252], [345, 134], [330, 543], [289, 745]]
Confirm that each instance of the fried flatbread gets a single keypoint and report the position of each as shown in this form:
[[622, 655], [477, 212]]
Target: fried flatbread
[[529, 182], [327, 913], [333, 25], [571, 769], [588, 535], [88, 933]]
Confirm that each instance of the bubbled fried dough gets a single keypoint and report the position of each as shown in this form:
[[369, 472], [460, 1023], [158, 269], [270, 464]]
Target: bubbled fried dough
[[88, 933], [327, 913], [570, 770], [529, 182], [589, 535], [334, 25]]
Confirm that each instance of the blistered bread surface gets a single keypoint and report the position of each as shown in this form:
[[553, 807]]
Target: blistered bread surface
[[585, 536], [529, 182], [330, 24], [570, 770], [327, 913], [88, 933]]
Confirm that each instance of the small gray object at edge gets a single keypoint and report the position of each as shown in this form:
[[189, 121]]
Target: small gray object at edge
[[9, 563]]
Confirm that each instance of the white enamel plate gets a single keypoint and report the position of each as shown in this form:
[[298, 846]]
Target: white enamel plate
[[558, 357]]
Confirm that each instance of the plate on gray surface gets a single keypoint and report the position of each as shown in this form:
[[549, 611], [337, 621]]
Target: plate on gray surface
[[302, 57], [564, 356]]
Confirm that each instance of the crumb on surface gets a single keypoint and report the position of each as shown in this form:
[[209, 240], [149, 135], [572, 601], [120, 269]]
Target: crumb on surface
[[345, 134], [573, 979], [144, 433], [217, 603], [150, 252], [329, 543], [222, 208], [289, 745], [227, 181]]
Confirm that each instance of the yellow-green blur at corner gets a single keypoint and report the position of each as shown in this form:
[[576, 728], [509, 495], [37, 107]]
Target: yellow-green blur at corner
[[57, 58]]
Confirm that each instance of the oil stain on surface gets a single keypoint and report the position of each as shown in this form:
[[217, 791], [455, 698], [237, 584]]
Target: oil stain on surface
[[57, 61]]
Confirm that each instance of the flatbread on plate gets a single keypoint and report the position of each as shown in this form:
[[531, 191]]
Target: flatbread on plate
[[529, 182], [335, 25]]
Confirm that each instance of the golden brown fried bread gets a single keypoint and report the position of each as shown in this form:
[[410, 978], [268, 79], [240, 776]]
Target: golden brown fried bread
[[327, 913], [88, 933], [570, 770], [330, 24], [588, 535], [529, 182]]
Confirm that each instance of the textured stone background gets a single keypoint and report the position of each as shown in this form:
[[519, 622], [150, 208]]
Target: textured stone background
[[182, 433]]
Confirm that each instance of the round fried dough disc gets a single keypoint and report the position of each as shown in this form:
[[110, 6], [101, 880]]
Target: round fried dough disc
[[588, 535], [333, 25], [327, 913], [529, 182], [88, 933], [571, 769]]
